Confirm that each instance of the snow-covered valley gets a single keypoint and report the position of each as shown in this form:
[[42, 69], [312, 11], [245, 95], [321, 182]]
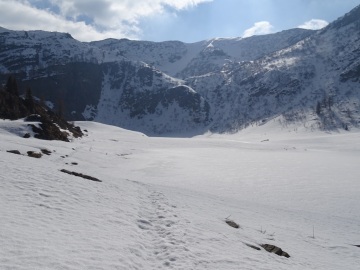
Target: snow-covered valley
[[163, 202]]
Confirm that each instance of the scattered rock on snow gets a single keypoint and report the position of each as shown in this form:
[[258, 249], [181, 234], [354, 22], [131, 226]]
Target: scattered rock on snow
[[232, 224], [275, 249], [17, 152], [45, 151], [88, 177], [34, 154], [253, 246]]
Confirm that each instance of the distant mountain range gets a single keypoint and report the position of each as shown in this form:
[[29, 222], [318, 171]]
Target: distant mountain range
[[302, 77]]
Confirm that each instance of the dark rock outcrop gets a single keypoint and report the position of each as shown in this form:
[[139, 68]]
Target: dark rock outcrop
[[51, 126]]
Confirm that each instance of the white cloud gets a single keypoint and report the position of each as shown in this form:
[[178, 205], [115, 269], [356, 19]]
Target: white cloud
[[104, 18], [314, 24], [259, 28], [115, 13], [21, 16]]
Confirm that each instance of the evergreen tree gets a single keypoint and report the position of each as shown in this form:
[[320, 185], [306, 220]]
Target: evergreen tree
[[11, 86], [60, 108], [29, 100], [318, 108]]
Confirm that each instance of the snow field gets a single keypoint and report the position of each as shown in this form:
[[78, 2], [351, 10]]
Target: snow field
[[163, 201]]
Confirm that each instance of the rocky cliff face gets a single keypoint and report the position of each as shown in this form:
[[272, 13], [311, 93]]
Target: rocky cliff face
[[140, 97], [310, 78]]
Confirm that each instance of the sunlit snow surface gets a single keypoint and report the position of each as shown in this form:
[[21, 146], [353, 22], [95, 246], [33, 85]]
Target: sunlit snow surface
[[163, 201]]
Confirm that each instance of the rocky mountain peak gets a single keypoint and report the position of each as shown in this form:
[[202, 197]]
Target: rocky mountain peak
[[352, 17]]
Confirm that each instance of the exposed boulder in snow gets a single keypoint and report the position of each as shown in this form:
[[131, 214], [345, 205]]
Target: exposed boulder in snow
[[34, 154], [45, 151], [275, 249], [232, 223]]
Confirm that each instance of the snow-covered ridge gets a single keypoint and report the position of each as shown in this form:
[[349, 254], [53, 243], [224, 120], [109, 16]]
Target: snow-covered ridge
[[39, 49], [2, 29], [178, 59], [31, 51]]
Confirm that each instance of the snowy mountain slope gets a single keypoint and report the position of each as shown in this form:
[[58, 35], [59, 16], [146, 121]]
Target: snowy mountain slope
[[314, 83], [79, 76], [163, 202], [223, 85]]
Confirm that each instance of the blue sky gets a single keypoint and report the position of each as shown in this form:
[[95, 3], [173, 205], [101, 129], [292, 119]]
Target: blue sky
[[158, 20]]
